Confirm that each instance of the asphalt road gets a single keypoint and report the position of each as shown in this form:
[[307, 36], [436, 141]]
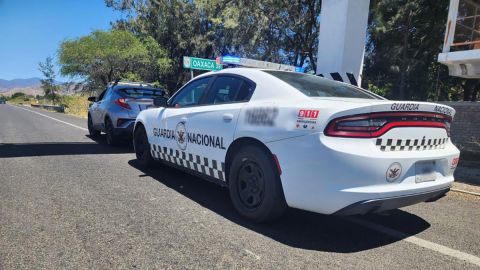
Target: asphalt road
[[67, 201]]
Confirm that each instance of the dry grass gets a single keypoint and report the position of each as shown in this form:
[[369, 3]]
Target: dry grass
[[21, 100], [76, 105]]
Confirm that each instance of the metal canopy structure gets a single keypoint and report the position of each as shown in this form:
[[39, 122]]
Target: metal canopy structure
[[343, 33], [341, 41], [461, 48]]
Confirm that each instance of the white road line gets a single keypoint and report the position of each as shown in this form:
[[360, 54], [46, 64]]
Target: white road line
[[253, 254], [466, 192], [44, 115], [417, 241]]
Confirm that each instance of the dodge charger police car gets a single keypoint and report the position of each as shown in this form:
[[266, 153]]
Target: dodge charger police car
[[279, 139]]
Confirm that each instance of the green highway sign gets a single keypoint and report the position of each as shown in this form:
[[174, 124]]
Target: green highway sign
[[200, 63]]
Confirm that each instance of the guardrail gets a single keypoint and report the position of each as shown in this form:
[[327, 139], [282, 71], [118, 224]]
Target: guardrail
[[56, 108]]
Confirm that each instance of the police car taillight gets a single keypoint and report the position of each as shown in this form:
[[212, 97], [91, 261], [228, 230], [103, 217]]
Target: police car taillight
[[376, 124]]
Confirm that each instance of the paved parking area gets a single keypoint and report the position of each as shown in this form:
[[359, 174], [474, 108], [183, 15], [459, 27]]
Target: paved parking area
[[67, 201]]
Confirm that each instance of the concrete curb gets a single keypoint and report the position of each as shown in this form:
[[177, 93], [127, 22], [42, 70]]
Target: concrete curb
[[59, 108]]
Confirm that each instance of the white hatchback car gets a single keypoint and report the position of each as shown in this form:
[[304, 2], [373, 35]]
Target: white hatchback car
[[279, 139]]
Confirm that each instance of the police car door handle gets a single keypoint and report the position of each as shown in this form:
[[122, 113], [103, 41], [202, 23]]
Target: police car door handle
[[228, 117]]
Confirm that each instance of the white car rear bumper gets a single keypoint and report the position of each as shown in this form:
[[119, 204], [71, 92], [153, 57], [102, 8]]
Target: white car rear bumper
[[327, 174]]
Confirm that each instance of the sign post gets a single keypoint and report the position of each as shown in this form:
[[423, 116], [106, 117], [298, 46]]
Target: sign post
[[201, 64]]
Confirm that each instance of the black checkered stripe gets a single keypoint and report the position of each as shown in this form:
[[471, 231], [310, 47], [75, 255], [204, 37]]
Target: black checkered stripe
[[197, 163], [341, 77], [388, 145]]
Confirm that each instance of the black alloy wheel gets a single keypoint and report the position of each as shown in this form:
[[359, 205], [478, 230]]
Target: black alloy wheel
[[255, 186], [251, 184], [142, 147]]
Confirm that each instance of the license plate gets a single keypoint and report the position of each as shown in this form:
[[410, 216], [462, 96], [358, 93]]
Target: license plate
[[425, 171]]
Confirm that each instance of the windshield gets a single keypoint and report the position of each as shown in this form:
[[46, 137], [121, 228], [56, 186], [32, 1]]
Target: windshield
[[314, 86], [141, 92]]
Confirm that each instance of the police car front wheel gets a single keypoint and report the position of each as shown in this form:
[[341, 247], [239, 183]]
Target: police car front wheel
[[254, 185], [142, 147]]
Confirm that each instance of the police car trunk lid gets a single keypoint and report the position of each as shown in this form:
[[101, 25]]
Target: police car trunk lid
[[393, 123]]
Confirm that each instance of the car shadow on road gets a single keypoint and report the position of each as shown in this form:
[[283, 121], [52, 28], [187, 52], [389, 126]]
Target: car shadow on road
[[297, 228], [98, 146], [123, 143]]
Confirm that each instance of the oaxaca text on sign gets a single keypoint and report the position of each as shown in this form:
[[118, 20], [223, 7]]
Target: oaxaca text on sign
[[200, 63]]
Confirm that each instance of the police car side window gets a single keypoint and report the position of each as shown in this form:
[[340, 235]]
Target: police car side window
[[227, 89], [190, 95], [245, 92]]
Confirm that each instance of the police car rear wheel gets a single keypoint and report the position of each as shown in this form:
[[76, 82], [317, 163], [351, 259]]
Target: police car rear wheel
[[142, 147], [91, 130], [254, 185], [251, 184]]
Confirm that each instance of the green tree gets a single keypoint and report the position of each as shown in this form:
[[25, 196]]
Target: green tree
[[403, 43], [270, 30], [302, 32], [17, 94], [273, 30], [107, 56], [49, 87]]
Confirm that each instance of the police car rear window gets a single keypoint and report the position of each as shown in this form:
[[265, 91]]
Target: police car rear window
[[141, 92], [314, 86]]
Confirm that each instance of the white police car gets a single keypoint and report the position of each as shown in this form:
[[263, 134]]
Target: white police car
[[279, 139]]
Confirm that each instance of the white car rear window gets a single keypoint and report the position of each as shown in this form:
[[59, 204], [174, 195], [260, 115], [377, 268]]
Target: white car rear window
[[141, 92], [314, 86]]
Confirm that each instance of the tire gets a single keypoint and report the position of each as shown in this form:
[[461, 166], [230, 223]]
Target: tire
[[91, 130], [254, 185], [142, 147], [112, 139]]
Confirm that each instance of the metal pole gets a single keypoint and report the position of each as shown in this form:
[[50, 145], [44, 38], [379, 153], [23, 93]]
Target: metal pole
[[437, 91], [191, 73]]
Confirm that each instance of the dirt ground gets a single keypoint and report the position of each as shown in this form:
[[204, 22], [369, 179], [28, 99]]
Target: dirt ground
[[468, 171]]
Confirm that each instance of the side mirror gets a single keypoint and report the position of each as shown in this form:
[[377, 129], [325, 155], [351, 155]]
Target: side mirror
[[160, 102], [92, 99]]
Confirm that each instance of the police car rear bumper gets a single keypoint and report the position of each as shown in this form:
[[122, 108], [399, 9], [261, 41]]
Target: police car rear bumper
[[326, 175], [383, 204]]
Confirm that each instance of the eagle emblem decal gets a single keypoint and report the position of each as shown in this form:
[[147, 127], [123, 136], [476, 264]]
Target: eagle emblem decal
[[180, 135], [394, 172]]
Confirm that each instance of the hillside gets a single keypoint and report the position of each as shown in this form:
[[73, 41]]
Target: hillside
[[33, 90], [32, 86], [6, 85]]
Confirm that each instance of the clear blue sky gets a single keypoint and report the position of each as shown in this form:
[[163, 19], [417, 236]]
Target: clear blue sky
[[31, 30]]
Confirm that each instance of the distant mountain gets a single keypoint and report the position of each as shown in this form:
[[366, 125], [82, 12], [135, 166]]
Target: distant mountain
[[32, 86], [6, 85], [32, 91]]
